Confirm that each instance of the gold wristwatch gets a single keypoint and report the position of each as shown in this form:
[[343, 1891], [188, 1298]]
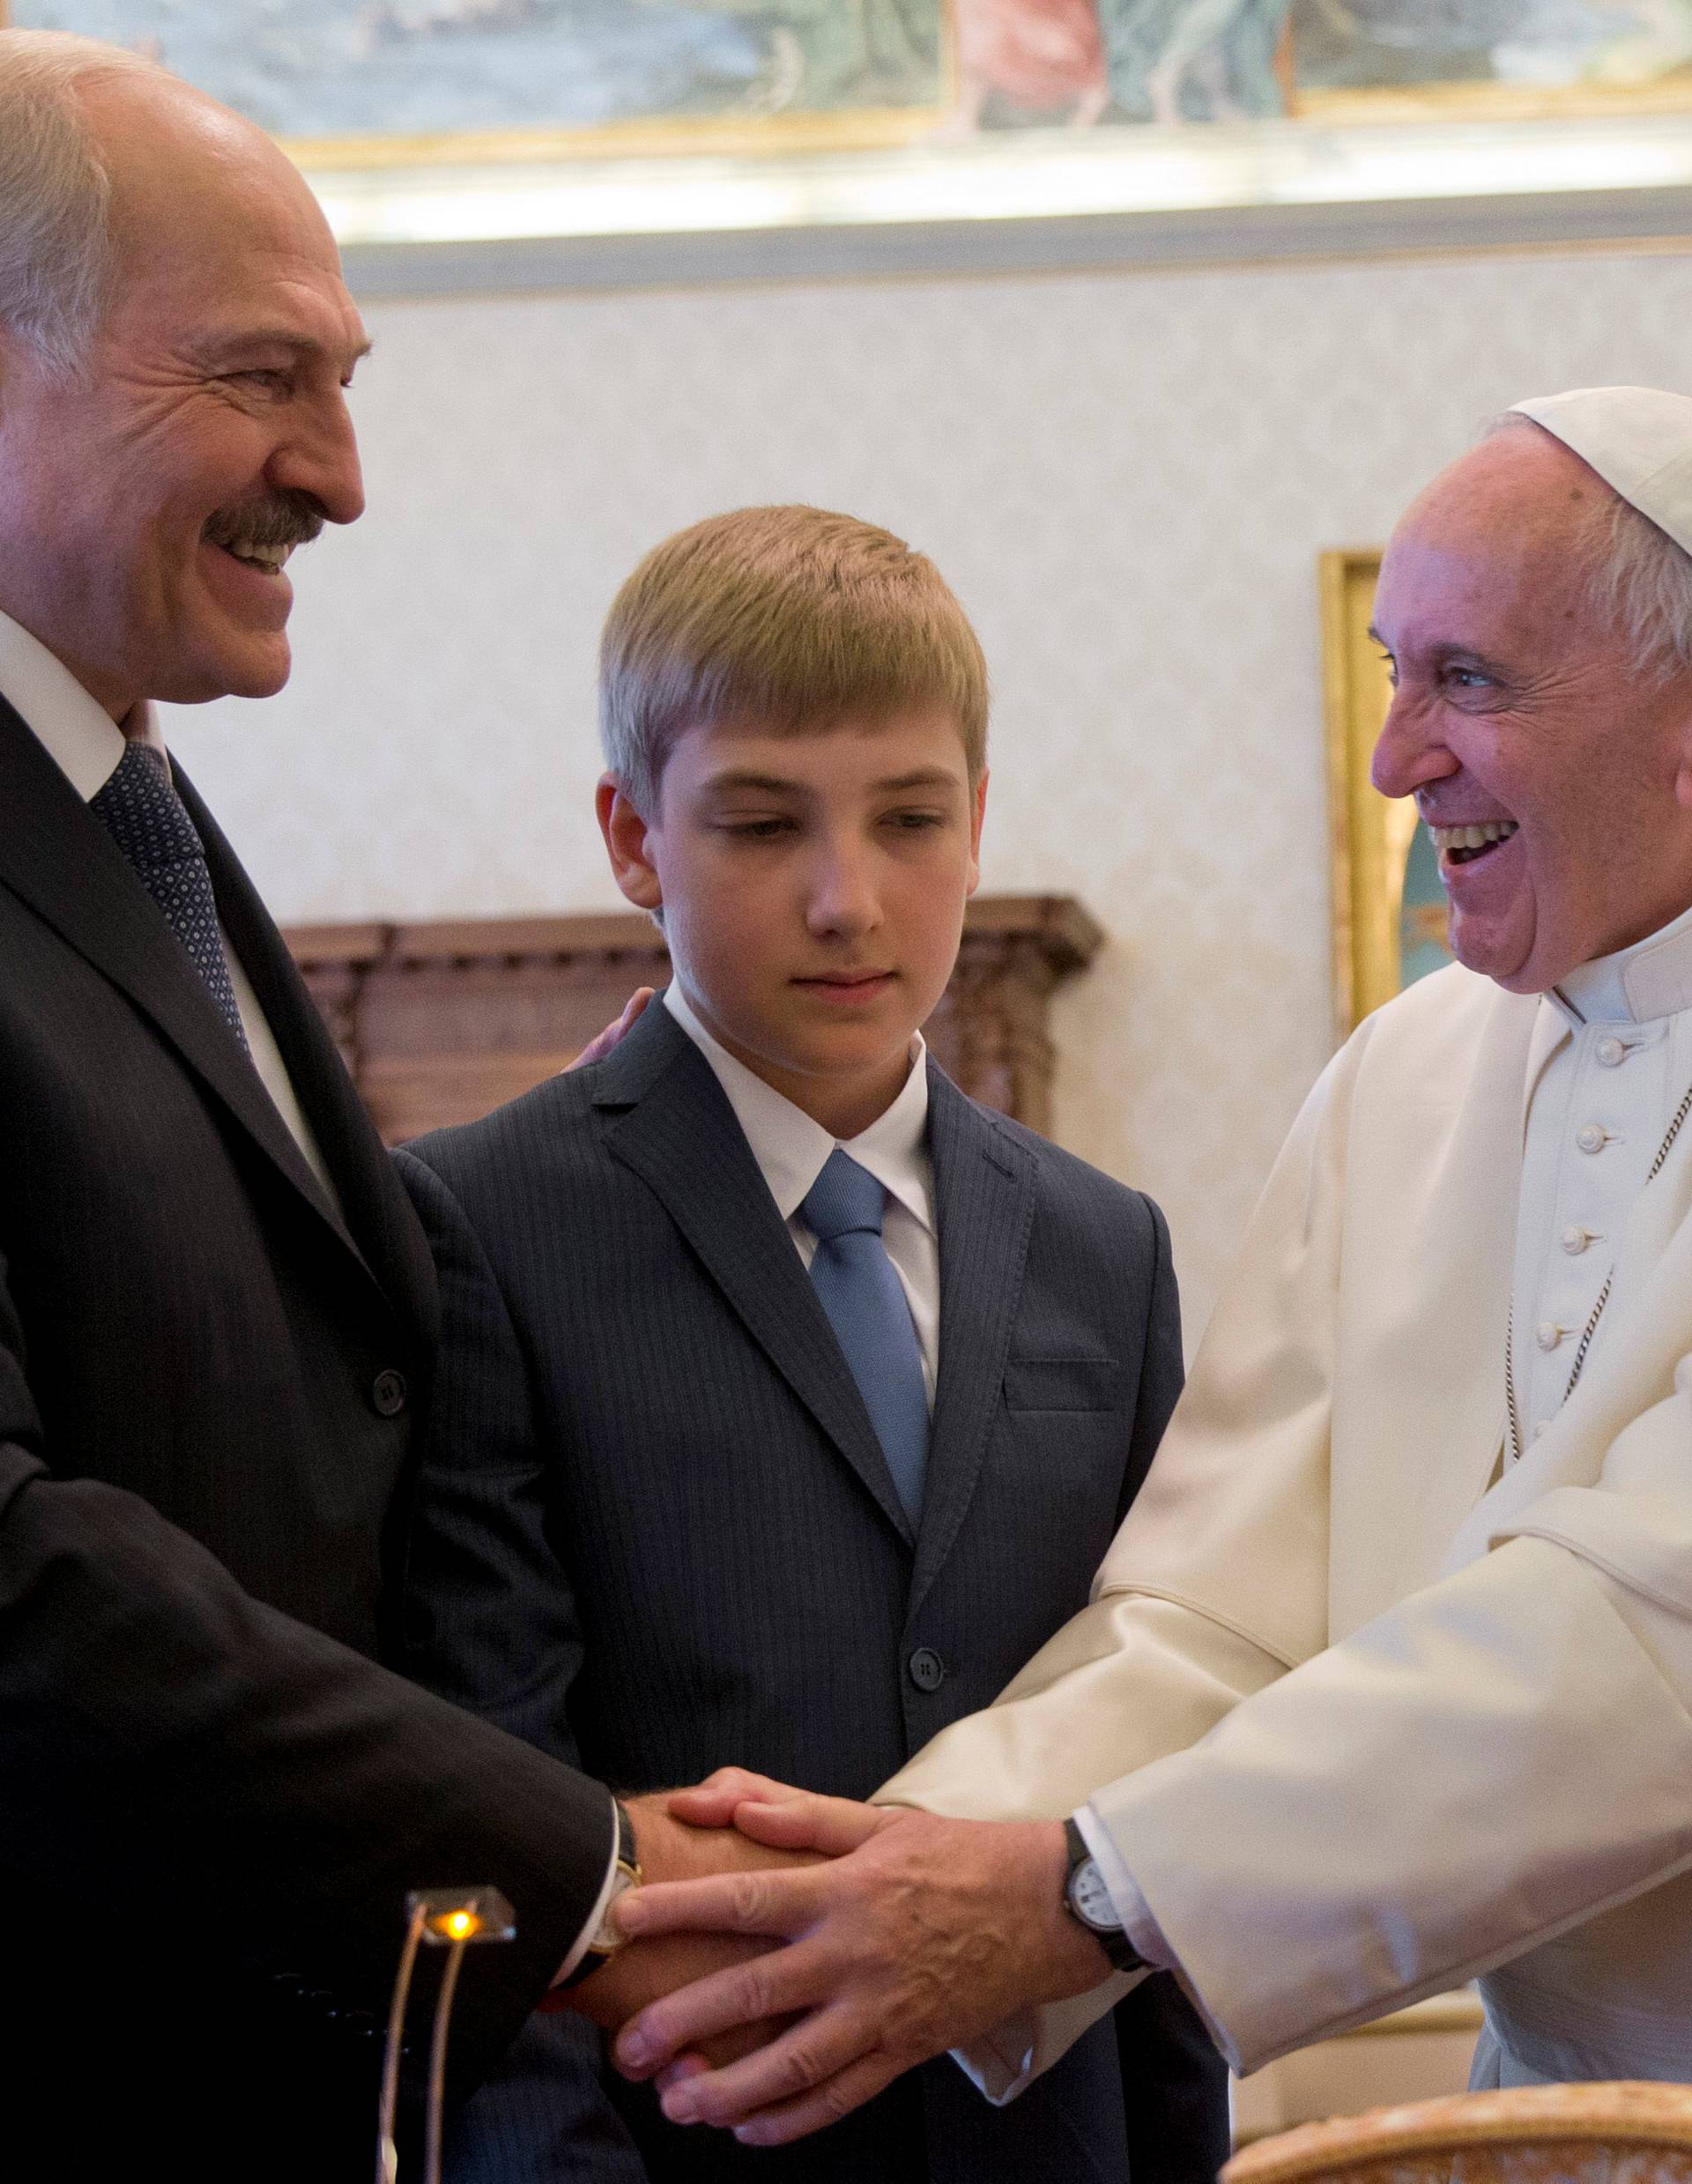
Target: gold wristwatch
[[624, 1875]]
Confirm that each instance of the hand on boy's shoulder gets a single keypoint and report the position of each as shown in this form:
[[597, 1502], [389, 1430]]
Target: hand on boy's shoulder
[[613, 1035]]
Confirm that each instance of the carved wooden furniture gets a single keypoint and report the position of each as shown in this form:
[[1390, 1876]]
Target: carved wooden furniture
[[441, 1022], [1539, 2135]]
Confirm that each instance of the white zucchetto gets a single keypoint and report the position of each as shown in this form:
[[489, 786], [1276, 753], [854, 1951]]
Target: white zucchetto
[[1637, 439]]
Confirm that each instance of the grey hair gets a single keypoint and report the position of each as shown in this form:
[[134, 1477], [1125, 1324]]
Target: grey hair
[[1638, 579], [56, 190]]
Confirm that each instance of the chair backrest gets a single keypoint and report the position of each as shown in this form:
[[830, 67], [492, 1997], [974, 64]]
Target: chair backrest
[[1621, 2134]]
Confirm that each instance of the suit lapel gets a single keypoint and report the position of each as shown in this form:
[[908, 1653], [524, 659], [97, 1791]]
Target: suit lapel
[[677, 1132], [60, 860], [983, 1204], [376, 1218]]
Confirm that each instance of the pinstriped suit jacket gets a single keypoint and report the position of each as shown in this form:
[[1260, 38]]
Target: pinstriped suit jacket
[[656, 1534], [213, 1800]]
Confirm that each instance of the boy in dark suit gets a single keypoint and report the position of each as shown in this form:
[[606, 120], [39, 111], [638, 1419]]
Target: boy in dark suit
[[787, 1399]]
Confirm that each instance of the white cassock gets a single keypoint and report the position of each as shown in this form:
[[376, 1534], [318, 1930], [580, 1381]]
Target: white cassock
[[1381, 1707]]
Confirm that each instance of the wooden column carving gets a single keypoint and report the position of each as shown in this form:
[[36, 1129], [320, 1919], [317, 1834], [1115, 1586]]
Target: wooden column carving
[[441, 1022]]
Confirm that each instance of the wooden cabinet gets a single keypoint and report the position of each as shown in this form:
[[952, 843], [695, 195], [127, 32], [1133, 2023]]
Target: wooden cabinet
[[441, 1022]]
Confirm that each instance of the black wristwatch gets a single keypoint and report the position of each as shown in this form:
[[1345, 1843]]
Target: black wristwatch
[[1088, 1901], [626, 1875]]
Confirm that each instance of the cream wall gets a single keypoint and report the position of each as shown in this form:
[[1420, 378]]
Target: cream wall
[[1127, 476]]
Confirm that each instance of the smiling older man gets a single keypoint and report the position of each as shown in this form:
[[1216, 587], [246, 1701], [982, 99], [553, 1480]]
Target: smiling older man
[[216, 1310], [1388, 1676]]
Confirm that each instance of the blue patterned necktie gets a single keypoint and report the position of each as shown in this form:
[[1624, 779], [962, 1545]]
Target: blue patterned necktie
[[859, 1287], [149, 822]]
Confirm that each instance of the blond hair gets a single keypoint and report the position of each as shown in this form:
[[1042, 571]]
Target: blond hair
[[56, 190], [792, 618]]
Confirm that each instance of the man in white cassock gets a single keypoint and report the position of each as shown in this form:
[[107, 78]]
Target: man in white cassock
[[1386, 1683]]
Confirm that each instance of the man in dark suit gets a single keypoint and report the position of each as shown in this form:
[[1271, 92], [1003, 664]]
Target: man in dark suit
[[216, 1310], [672, 1513]]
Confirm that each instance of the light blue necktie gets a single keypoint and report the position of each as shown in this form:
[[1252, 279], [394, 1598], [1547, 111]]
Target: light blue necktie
[[149, 822], [859, 1287]]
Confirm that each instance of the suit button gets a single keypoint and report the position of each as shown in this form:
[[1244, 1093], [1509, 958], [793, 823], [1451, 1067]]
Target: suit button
[[388, 1393], [927, 1670]]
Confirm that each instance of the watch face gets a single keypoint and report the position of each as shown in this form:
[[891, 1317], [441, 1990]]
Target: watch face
[[1092, 1899], [608, 1937]]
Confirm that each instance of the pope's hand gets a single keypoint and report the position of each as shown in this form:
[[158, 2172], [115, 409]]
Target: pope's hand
[[919, 1934]]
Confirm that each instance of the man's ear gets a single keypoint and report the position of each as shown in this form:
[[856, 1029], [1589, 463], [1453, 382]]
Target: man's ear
[[626, 844], [977, 814]]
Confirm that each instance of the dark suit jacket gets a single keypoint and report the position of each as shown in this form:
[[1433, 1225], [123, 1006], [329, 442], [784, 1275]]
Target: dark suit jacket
[[212, 1801], [656, 1534]]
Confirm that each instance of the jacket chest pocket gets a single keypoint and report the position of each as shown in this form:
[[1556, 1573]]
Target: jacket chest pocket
[[1061, 1383]]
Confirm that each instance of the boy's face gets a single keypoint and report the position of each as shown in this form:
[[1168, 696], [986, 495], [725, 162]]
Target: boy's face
[[812, 889]]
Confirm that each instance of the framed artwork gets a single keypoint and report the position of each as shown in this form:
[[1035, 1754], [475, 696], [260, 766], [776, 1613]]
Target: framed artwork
[[1388, 908], [359, 83], [1494, 60], [351, 83]]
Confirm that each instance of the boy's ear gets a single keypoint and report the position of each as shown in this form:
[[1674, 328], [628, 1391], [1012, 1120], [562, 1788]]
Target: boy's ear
[[978, 812], [625, 844]]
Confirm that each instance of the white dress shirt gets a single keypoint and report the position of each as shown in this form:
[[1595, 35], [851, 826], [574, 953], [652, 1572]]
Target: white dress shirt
[[791, 1151], [85, 744]]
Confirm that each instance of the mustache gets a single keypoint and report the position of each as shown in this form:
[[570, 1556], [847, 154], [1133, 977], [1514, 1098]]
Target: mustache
[[288, 518]]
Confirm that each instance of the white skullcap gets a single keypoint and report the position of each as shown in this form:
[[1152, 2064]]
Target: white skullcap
[[1637, 439]]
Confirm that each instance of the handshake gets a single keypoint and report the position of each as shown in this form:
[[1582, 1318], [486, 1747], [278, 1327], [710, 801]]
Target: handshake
[[790, 1954]]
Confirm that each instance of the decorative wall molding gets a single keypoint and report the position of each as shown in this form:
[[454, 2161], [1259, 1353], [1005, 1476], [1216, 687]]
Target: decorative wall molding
[[441, 1022], [1061, 201]]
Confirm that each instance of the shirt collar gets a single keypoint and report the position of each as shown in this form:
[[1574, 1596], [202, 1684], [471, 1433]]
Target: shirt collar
[[1653, 978], [791, 1148], [80, 736]]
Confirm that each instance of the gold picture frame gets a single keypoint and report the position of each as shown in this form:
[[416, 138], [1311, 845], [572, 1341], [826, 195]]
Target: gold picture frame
[[1376, 931], [1636, 88]]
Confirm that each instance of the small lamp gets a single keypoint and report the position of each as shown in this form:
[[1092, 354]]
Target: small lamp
[[442, 1918]]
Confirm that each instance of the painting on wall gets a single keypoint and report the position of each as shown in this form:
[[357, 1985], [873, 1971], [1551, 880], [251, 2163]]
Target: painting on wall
[[598, 77], [1388, 908], [604, 77], [1407, 59]]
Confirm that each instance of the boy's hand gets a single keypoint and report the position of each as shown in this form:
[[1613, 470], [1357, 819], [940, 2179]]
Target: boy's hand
[[613, 1035]]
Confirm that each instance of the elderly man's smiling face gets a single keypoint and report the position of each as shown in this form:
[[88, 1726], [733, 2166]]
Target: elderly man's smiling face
[[145, 511], [1520, 712]]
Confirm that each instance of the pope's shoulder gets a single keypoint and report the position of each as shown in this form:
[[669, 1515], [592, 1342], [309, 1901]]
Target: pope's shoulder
[[1439, 1018]]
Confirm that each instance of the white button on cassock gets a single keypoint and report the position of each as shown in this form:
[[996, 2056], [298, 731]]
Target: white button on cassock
[[1592, 1137], [1575, 1239], [1549, 1334], [1611, 1052]]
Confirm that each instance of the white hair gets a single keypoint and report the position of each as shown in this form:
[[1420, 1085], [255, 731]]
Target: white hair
[[1638, 579], [56, 245]]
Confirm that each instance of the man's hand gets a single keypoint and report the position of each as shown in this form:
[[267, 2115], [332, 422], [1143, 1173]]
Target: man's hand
[[671, 1851], [613, 1035], [924, 1934]]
